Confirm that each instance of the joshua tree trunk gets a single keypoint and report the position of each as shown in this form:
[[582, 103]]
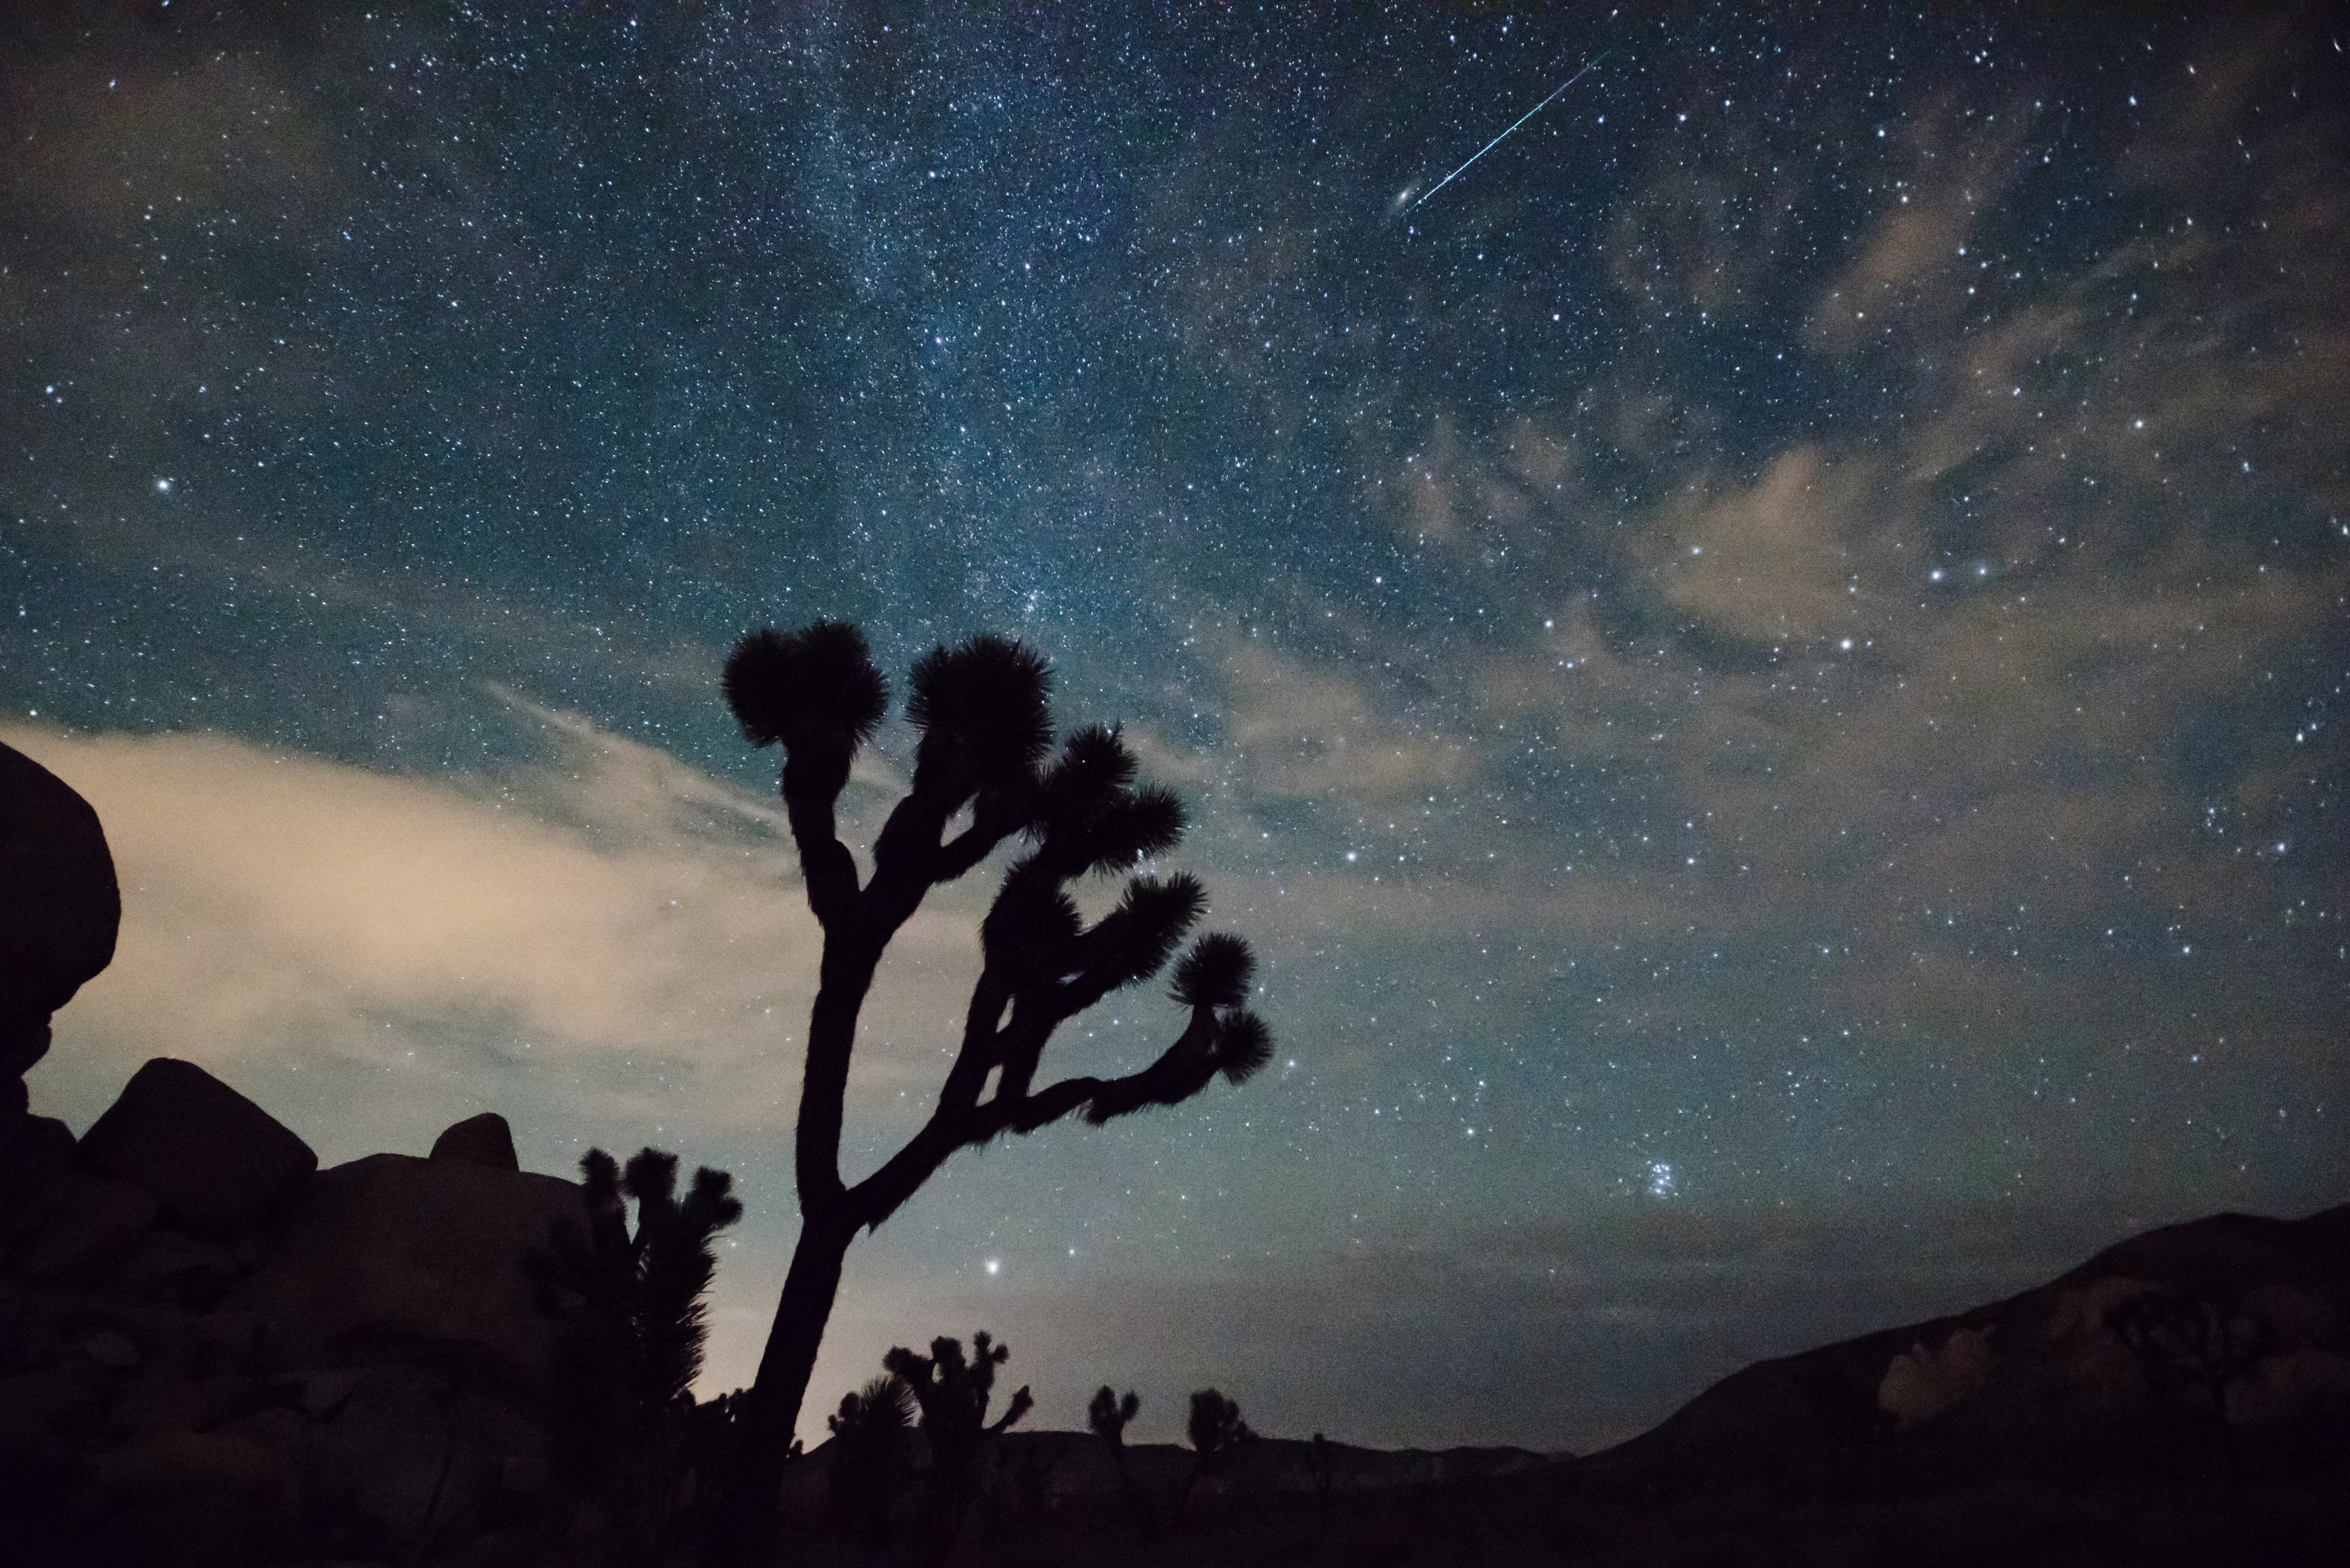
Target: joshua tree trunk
[[986, 735], [797, 1331]]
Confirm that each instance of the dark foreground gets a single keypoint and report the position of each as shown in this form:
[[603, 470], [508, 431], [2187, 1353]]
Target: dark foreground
[[213, 1352], [1567, 1517]]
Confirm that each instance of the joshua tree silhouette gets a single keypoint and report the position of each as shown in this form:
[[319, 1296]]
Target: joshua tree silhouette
[[2192, 1351], [1109, 1416], [869, 1460], [984, 747], [630, 1331], [954, 1396], [1217, 1433]]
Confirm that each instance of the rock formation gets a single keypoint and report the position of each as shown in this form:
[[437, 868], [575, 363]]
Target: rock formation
[[484, 1140], [213, 1352], [58, 912], [218, 1164]]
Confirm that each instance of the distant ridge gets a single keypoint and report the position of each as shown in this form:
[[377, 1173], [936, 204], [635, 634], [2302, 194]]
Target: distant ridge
[[2024, 1430], [2040, 1383]]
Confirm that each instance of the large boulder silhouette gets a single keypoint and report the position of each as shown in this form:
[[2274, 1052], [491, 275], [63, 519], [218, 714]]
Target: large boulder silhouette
[[394, 1258], [59, 909], [483, 1140], [219, 1164]]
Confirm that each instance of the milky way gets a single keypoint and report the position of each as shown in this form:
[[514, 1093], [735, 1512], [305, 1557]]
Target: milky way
[[1765, 677]]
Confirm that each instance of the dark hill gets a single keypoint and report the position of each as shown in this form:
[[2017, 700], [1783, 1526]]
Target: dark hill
[[2045, 1383]]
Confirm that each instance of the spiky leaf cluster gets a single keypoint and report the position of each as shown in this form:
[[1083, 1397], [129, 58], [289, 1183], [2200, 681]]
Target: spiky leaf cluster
[[1215, 973], [1243, 1047], [814, 687], [1214, 976], [1089, 815], [983, 712], [884, 1405]]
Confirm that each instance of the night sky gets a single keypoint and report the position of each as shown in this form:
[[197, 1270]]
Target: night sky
[[1765, 669]]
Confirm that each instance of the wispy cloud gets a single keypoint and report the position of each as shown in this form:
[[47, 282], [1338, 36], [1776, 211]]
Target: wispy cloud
[[609, 926]]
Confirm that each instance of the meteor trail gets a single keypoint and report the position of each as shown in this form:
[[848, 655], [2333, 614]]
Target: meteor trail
[[1538, 109]]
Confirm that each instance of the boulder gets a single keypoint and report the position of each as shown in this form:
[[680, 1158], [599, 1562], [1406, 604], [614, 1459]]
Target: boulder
[[394, 1463], [174, 1269], [197, 1499], [66, 1401], [320, 1391], [219, 1164], [391, 1257], [90, 1230], [59, 909], [483, 1140]]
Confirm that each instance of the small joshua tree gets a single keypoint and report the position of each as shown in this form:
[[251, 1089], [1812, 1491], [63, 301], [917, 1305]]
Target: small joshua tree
[[954, 1396], [629, 1330], [985, 773], [1217, 1434], [870, 1458], [2191, 1352], [1109, 1417]]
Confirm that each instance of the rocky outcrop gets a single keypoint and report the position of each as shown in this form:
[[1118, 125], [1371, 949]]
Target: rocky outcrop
[[215, 1352], [483, 1140], [59, 909], [219, 1164], [391, 1255]]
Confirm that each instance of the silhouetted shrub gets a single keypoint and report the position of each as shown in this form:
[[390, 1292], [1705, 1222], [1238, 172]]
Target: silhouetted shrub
[[630, 1337], [1217, 1434], [2190, 1350], [1109, 1416], [870, 1459], [952, 1395]]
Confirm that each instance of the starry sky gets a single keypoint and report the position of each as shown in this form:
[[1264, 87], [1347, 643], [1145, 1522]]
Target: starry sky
[[1765, 668]]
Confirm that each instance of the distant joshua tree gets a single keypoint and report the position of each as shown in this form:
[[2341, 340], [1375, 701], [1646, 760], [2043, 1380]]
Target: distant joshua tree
[[952, 1395], [983, 774], [2190, 1350], [1217, 1434], [1109, 1417]]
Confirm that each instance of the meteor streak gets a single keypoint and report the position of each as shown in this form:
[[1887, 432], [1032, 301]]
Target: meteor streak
[[1538, 109]]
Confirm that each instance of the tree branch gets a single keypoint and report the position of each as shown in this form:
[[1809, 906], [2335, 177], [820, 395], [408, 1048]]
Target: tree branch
[[999, 816], [812, 782], [1181, 1071], [882, 1194]]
